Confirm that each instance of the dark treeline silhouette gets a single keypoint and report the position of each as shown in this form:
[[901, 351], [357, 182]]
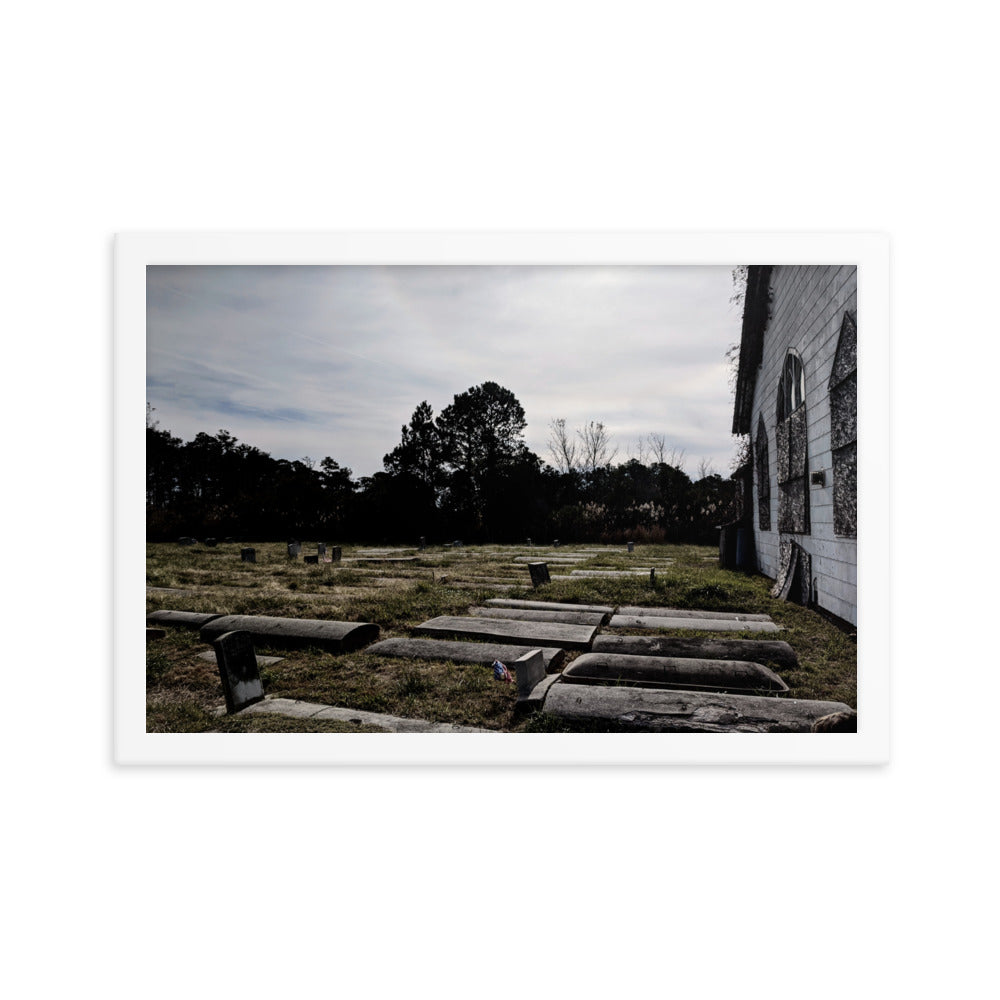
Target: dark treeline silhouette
[[465, 474]]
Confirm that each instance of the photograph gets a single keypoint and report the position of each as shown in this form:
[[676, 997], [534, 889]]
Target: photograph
[[505, 499]]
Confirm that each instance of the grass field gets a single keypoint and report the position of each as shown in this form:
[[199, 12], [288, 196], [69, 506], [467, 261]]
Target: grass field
[[184, 691]]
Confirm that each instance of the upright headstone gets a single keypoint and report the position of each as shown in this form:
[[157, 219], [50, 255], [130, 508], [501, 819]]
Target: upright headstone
[[530, 544], [237, 662], [528, 671], [293, 549], [423, 543], [311, 560], [631, 546], [652, 577], [211, 542], [539, 573], [321, 549], [248, 555], [458, 544], [335, 553], [555, 543]]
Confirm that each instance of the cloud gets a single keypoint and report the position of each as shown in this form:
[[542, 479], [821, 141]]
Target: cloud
[[333, 360]]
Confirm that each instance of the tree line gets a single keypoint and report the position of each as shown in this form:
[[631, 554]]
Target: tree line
[[465, 473]]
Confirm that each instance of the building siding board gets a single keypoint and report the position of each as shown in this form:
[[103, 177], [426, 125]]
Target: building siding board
[[807, 312]]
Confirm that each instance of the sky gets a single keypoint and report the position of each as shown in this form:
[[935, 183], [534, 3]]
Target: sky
[[332, 361]]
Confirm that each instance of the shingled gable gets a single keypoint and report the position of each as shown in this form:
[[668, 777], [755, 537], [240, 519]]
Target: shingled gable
[[755, 315]]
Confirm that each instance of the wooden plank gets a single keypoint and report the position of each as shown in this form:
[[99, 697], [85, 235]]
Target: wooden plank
[[336, 637], [505, 630], [462, 652], [704, 624], [508, 602], [657, 710], [685, 613], [766, 651], [672, 672], [527, 615]]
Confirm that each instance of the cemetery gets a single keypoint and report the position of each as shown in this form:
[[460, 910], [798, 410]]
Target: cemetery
[[445, 637]]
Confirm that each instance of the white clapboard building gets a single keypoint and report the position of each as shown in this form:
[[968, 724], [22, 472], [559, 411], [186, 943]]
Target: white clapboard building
[[796, 397]]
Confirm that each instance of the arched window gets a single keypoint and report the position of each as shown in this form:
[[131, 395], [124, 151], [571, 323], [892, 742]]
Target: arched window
[[763, 475], [844, 429], [790, 440]]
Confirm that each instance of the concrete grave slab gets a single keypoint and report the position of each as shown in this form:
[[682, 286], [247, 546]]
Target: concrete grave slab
[[704, 624], [183, 619], [650, 709], [509, 602], [528, 615], [685, 613], [237, 662], [262, 661], [515, 633], [337, 637], [672, 672], [766, 651], [294, 709], [462, 652]]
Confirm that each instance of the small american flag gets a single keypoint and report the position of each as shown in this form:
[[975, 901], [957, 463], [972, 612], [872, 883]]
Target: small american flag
[[501, 673]]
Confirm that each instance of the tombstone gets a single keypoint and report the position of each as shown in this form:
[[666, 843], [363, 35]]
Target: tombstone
[[555, 543], [631, 546], [652, 577], [248, 555], [528, 671], [311, 560], [422, 544], [458, 544], [539, 573], [530, 545], [321, 549], [293, 549], [335, 553], [237, 662], [211, 542]]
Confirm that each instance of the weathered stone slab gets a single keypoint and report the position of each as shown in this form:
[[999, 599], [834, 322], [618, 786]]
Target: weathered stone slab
[[515, 633], [294, 548], [766, 651], [672, 672], [462, 652], [384, 559], [561, 559], [184, 619], [337, 637], [735, 616], [248, 555], [508, 602], [237, 661], [660, 710], [539, 573], [262, 661], [644, 571], [527, 615], [390, 723], [705, 624]]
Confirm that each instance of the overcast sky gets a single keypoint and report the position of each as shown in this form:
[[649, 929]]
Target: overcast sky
[[333, 360]]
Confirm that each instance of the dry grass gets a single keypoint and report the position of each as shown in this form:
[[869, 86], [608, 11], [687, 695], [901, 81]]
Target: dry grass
[[183, 690]]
